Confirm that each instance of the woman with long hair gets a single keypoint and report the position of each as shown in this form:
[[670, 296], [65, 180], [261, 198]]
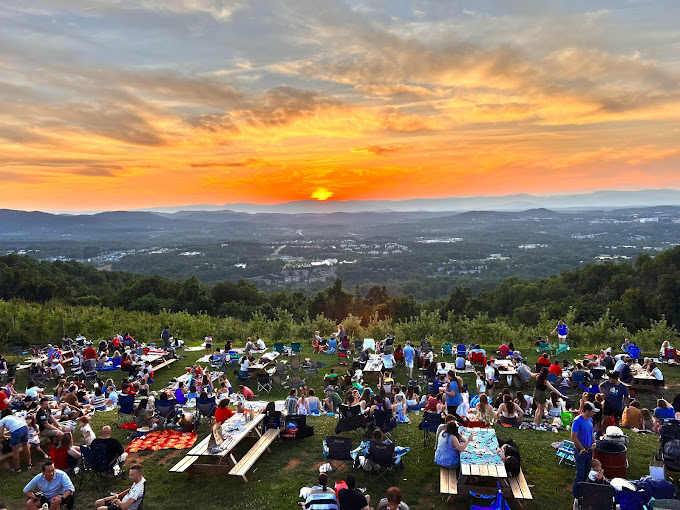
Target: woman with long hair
[[449, 446], [541, 393], [521, 401], [484, 411], [509, 413]]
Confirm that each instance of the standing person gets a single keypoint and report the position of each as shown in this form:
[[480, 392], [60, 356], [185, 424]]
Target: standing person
[[341, 333], [562, 331], [453, 396], [129, 499], [615, 398], [166, 336], [55, 485], [409, 357], [490, 376], [18, 439], [208, 343], [541, 394], [582, 437], [393, 500]]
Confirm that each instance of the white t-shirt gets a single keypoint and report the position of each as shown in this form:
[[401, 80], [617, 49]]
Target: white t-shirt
[[260, 345], [244, 365], [388, 361], [490, 373], [619, 365], [12, 422], [136, 493], [33, 392], [481, 386], [657, 373]]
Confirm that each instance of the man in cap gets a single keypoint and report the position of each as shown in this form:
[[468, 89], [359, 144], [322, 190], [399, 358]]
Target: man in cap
[[582, 437]]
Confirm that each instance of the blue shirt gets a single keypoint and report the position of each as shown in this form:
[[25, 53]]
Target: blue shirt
[[614, 394], [661, 413], [59, 484], [562, 330], [584, 430], [409, 353], [457, 399]]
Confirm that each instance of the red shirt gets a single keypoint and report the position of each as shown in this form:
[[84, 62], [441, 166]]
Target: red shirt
[[504, 350], [89, 353], [223, 414], [555, 369], [59, 457], [543, 361], [3, 406]]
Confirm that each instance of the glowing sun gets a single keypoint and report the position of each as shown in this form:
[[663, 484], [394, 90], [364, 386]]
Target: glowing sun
[[321, 194]]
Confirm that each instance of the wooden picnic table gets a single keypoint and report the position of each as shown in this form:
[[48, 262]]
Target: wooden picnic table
[[643, 380], [223, 441], [482, 469]]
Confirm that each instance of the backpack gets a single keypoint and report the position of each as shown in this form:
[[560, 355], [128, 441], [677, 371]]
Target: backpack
[[671, 454]]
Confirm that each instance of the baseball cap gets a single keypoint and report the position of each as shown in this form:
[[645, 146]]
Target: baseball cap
[[589, 406], [329, 388]]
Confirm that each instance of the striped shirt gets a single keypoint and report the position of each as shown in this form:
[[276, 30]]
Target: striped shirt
[[319, 499]]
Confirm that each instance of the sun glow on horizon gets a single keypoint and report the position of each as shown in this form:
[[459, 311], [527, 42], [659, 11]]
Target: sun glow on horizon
[[321, 194]]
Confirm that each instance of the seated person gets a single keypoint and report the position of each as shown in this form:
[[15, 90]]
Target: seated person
[[625, 373], [460, 363], [503, 350], [129, 499], [449, 446], [352, 499], [656, 372], [250, 345], [223, 413], [331, 379], [632, 416], [55, 485], [543, 361], [596, 474], [508, 412], [143, 416], [509, 452], [259, 343], [663, 411], [126, 363], [246, 392], [181, 393], [393, 500], [332, 401], [64, 454]]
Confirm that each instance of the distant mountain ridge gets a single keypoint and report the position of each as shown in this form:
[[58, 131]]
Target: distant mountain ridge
[[595, 200]]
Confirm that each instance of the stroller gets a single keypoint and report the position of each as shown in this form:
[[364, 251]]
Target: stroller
[[669, 445]]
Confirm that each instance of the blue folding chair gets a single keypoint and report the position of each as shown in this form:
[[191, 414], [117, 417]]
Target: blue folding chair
[[461, 350], [634, 351], [498, 504], [126, 408]]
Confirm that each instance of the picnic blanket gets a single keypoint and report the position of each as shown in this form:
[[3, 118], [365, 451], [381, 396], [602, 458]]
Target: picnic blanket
[[161, 440]]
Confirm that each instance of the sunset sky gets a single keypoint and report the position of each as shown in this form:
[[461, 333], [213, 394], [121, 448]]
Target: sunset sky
[[121, 104]]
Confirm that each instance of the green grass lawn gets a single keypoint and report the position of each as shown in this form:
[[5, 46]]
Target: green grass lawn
[[277, 477]]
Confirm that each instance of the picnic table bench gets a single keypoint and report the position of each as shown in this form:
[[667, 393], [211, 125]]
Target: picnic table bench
[[204, 450], [164, 364]]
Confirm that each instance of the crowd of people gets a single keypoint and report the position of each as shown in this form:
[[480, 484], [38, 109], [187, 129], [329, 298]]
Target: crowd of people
[[534, 397]]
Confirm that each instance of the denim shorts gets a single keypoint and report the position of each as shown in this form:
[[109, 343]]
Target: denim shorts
[[19, 436]]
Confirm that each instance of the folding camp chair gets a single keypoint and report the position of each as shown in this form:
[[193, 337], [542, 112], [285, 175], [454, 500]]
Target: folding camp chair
[[296, 348], [499, 502], [552, 378], [278, 347], [166, 411], [205, 408], [295, 365], [343, 356], [578, 377], [598, 373], [313, 367], [332, 346], [272, 422], [351, 420], [358, 345], [264, 382], [596, 496], [280, 377], [429, 426], [243, 377], [95, 466], [461, 350], [382, 456], [562, 347], [338, 449], [126, 408], [544, 347], [369, 343], [447, 349], [297, 382], [567, 453], [385, 421], [634, 351]]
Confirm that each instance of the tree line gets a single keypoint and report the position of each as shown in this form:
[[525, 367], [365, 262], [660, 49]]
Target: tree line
[[635, 296]]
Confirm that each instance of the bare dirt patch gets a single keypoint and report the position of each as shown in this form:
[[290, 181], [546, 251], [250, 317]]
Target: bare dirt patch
[[292, 464]]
